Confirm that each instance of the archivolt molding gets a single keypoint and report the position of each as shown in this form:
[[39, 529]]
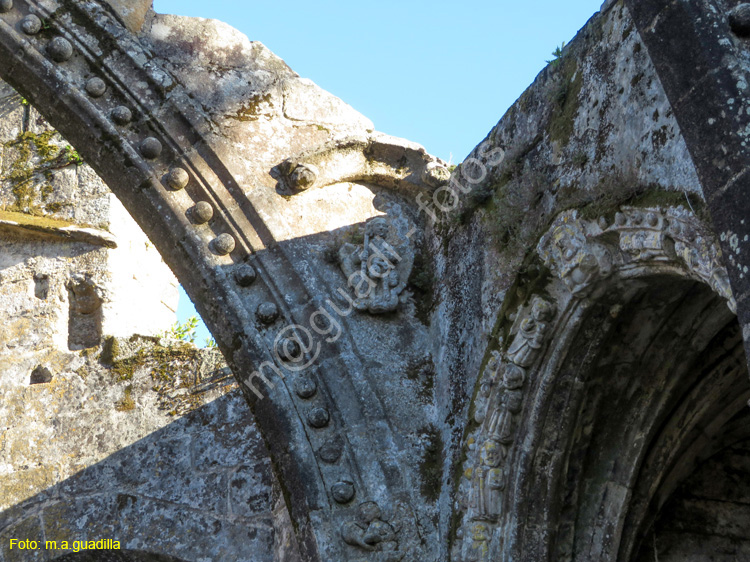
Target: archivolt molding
[[147, 138], [580, 252], [586, 258]]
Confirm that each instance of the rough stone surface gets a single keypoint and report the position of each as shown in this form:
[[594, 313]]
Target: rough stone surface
[[136, 439], [144, 441], [132, 12], [529, 359], [70, 255]]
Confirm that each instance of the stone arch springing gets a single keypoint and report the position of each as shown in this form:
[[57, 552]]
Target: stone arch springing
[[196, 197]]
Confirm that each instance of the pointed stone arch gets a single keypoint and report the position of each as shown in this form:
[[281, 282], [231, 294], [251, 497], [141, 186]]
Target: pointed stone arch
[[612, 380], [210, 208]]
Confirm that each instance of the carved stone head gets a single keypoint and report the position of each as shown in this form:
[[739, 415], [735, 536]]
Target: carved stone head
[[514, 377], [480, 532], [542, 310], [492, 453], [377, 227], [368, 512]]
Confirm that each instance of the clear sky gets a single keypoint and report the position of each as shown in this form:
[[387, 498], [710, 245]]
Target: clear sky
[[437, 73]]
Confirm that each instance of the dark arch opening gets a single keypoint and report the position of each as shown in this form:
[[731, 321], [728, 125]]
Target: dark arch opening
[[652, 385]]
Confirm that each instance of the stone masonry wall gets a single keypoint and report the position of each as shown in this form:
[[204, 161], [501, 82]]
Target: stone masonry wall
[[74, 266], [105, 434], [148, 442]]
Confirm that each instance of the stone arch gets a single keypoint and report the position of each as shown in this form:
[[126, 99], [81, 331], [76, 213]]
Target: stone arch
[[610, 428], [606, 388], [210, 209]]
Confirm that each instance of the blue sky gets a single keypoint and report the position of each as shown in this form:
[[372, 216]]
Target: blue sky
[[436, 73]]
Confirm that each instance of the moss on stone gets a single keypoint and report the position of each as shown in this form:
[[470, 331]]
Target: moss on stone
[[612, 192], [174, 369], [127, 403], [110, 351], [33, 220], [422, 281], [431, 467], [565, 105], [423, 373], [36, 157], [250, 110]]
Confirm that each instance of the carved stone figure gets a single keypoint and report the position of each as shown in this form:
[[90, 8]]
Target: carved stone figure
[[567, 251], [489, 481], [500, 426], [369, 531], [479, 550], [85, 295], [490, 375], [531, 332], [641, 233], [376, 270], [701, 252]]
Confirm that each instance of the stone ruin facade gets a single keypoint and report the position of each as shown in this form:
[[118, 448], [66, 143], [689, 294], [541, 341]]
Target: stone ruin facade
[[538, 355], [108, 429]]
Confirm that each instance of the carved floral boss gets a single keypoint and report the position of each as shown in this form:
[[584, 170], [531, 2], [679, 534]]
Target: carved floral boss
[[377, 270]]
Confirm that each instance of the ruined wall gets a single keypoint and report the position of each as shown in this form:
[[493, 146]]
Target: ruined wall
[[593, 135], [143, 441], [594, 131], [535, 376], [131, 438], [74, 265]]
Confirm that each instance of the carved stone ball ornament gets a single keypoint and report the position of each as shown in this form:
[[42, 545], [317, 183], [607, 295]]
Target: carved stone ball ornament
[[151, 148], [60, 49], [318, 417], [177, 178], [122, 115], [305, 387], [95, 87], [202, 212], [303, 176], [343, 492], [224, 244], [267, 312], [245, 275], [31, 24]]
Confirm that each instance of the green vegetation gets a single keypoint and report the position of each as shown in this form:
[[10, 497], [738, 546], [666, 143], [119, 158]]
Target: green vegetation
[[72, 155], [175, 371], [184, 331], [557, 54], [564, 96], [422, 281], [127, 402], [30, 170]]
